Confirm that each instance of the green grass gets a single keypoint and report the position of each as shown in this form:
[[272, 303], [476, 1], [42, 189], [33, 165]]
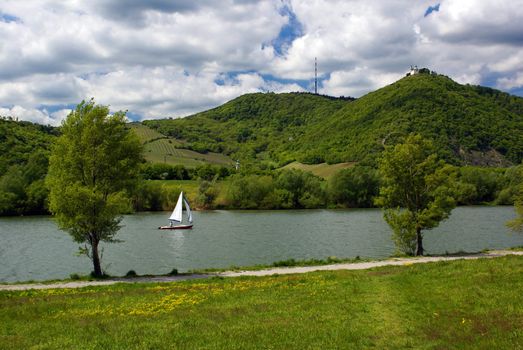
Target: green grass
[[323, 170], [287, 263], [458, 305]]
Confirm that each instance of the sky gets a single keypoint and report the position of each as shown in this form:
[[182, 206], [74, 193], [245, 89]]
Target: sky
[[165, 58]]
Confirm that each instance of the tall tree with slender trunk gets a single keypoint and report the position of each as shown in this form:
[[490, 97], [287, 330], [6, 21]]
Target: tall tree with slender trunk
[[517, 224], [417, 191], [92, 166]]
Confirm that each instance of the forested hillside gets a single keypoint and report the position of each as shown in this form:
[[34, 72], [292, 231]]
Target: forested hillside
[[24, 152], [263, 126], [469, 124]]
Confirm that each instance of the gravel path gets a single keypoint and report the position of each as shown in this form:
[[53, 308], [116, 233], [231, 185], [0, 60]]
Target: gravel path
[[367, 265], [265, 272]]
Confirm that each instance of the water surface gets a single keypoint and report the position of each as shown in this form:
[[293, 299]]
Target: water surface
[[32, 248]]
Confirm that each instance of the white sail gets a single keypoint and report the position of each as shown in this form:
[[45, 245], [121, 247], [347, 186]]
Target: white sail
[[177, 212], [188, 209]]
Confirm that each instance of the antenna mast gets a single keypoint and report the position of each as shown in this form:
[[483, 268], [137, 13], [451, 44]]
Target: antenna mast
[[315, 75]]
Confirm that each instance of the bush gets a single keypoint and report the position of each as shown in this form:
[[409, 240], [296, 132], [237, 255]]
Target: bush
[[487, 183], [161, 171], [173, 272], [354, 187], [131, 273]]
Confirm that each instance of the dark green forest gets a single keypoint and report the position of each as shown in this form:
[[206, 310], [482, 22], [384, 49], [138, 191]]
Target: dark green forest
[[24, 158]]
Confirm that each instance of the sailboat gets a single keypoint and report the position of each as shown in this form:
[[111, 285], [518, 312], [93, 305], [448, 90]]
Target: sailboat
[[177, 215]]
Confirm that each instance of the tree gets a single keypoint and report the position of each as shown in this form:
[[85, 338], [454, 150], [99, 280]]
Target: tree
[[417, 191], [207, 193], [354, 187], [91, 168], [305, 188], [517, 223]]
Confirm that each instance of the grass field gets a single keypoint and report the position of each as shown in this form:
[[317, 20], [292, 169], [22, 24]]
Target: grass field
[[323, 170], [448, 305]]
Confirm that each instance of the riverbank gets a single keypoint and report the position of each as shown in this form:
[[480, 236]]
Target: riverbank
[[447, 304], [262, 272]]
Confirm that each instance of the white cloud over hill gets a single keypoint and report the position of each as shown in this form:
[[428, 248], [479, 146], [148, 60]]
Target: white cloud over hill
[[173, 58]]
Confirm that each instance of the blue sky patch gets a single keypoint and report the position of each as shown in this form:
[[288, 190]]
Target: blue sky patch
[[7, 18], [54, 108], [431, 9], [290, 31]]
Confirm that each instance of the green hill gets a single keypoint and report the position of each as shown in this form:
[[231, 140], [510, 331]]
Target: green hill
[[254, 126], [24, 152], [469, 124], [20, 139]]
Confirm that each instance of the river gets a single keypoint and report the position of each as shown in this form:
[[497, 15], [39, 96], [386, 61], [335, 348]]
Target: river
[[33, 248]]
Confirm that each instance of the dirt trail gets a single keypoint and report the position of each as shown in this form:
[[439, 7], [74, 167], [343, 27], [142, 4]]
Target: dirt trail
[[265, 272]]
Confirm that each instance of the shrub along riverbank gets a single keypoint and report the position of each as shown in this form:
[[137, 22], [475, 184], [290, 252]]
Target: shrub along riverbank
[[354, 187], [218, 187], [460, 304]]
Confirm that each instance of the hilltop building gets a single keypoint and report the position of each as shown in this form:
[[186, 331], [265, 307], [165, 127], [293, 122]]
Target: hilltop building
[[413, 70]]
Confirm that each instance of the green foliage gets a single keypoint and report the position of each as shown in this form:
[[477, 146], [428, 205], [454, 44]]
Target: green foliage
[[417, 191], [468, 124], [354, 187], [161, 171], [251, 192], [20, 139], [512, 181], [207, 193], [284, 190], [22, 187], [24, 150], [92, 166], [484, 183], [304, 188], [131, 273], [254, 126], [517, 223], [403, 225]]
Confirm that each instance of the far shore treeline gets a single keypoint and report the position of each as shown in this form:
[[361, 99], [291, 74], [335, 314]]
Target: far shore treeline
[[25, 158]]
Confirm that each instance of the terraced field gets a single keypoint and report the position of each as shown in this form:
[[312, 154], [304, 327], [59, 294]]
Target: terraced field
[[159, 148], [145, 133], [168, 151], [323, 170]]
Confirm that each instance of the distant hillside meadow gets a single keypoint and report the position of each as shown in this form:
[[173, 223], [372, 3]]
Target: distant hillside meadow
[[262, 142]]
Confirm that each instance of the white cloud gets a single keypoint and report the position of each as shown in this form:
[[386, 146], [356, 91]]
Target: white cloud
[[512, 82], [35, 115], [165, 58]]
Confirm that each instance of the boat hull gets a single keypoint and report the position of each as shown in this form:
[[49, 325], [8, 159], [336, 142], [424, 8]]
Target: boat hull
[[178, 227]]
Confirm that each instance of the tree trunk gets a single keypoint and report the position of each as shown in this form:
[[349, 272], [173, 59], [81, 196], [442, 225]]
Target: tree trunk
[[419, 245], [96, 259]]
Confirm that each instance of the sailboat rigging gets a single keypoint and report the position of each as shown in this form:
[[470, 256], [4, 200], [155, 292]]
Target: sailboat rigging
[[177, 215]]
